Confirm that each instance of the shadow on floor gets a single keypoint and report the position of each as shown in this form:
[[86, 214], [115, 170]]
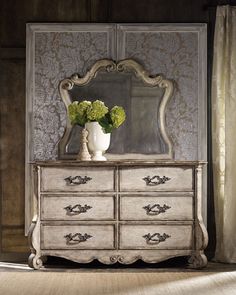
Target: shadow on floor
[[176, 264], [173, 263]]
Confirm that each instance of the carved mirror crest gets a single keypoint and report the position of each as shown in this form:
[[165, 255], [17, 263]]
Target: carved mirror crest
[[144, 98]]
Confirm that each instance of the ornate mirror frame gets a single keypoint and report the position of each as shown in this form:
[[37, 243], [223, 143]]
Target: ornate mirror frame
[[127, 65]]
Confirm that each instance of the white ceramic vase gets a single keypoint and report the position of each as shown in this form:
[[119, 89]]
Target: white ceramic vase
[[98, 141]]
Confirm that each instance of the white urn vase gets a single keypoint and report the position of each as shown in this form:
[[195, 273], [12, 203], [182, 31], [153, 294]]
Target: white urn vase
[[98, 141]]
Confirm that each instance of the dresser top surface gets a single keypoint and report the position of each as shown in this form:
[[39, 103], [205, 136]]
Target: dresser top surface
[[68, 163]]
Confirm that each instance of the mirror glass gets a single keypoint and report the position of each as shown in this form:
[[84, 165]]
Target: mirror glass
[[140, 134]]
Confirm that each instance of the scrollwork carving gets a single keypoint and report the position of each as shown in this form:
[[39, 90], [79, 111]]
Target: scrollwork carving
[[77, 180], [197, 260], [77, 209], [156, 209], [76, 238], [159, 180], [156, 238], [67, 84], [34, 261], [117, 258]]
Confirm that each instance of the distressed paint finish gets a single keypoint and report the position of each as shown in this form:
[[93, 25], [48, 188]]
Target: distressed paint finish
[[87, 207], [99, 236], [133, 179], [162, 207], [177, 237], [118, 240], [99, 179]]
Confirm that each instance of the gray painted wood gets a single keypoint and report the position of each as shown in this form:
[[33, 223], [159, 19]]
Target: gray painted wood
[[101, 179], [162, 207], [131, 235], [120, 256], [178, 237], [132, 179], [101, 237], [90, 207]]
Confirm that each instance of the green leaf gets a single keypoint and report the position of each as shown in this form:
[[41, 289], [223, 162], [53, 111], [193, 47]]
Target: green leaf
[[106, 123]]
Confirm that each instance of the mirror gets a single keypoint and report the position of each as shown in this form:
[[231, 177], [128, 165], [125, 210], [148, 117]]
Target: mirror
[[144, 99]]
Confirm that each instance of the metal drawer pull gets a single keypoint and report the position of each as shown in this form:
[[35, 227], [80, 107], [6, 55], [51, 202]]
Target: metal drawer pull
[[77, 209], [77, 180], [156, 209], [155, 238], [76, 238], [160, 180]]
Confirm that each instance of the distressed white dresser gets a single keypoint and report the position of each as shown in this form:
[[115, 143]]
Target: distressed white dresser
[[118, 212]]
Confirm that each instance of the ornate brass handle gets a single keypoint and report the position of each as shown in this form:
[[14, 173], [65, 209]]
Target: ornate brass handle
[[159, 180], [77, 238], [154, 239], [156, 209], [77, 180], [77, 209]]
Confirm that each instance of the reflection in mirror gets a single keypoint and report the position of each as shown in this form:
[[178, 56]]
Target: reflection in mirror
[[143, 133]]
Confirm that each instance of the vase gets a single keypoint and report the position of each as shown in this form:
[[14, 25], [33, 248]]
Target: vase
[[98, 141]]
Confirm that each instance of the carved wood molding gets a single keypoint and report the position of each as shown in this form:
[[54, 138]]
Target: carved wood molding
[[127, 65], [196, 259]]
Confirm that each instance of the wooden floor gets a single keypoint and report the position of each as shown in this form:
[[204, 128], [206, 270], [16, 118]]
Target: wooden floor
[[19, 279]]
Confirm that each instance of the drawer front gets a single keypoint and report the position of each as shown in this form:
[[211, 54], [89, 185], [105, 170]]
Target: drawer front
[[77, 179], [61, 207], [155, 237], [77, 236], [163, 207], [156, 179]]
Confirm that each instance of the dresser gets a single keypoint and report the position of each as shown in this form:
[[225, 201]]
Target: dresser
[[118, 211]]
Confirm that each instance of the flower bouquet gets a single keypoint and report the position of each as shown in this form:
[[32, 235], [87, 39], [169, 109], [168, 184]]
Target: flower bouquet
[[99, 121]]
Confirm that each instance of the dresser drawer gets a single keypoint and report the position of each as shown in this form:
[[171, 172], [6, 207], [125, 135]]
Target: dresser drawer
[[164, 207], [77, 236], [155, 237], [156, 179], [62, 207], [77, 179]]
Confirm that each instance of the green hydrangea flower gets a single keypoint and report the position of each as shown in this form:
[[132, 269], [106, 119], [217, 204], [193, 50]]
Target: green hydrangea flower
[[78, 112], [87, 111], [96, 110], [117, 116]]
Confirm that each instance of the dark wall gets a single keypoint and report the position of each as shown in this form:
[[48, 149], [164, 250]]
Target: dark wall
[[14, 15]]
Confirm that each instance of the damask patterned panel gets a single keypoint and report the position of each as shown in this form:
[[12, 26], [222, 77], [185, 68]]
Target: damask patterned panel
[[59, 54], [175, 52]]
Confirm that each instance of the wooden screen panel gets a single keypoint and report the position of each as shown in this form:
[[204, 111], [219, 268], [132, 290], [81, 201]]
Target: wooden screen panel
[[12, 149]]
